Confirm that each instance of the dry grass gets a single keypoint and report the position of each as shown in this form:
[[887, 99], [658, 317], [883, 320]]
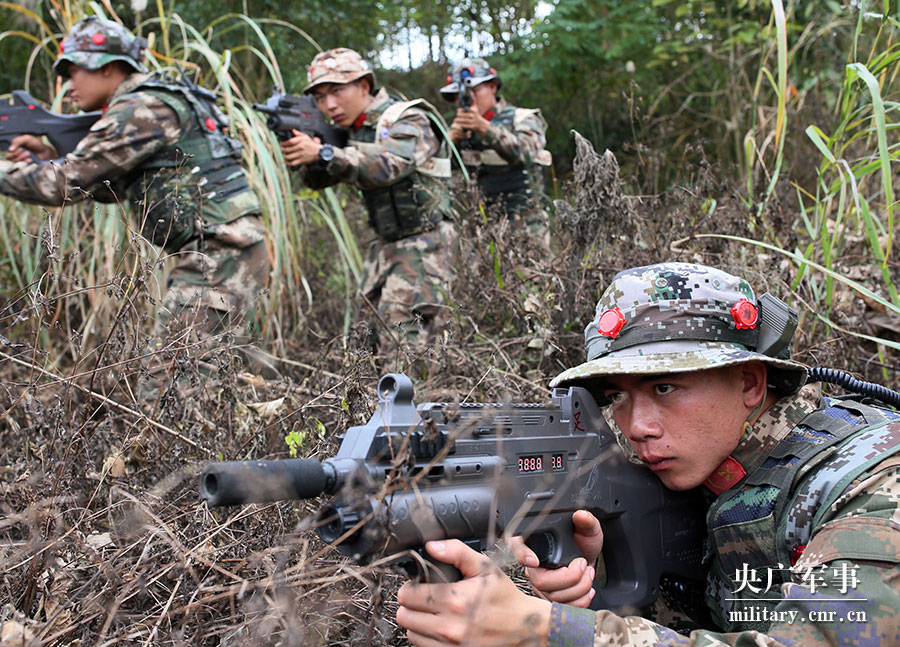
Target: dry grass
[[102, 538]]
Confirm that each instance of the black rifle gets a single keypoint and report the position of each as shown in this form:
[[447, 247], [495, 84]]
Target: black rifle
[[287, 112], [25, 116], [465, 89], [465, 99], [474, 471]]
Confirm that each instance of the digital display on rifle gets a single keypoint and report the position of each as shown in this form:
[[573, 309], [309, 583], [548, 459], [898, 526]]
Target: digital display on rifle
[[532, 464]]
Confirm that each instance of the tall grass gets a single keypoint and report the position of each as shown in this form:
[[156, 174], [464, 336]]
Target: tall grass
[[99, 238], [845, 222]]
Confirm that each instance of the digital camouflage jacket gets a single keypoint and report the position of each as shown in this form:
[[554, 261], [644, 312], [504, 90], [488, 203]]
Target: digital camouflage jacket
[[398, 162], [148, 149], [804, 549]]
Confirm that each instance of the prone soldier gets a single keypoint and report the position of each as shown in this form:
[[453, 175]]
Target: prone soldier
[[397, 158], [803, 535], [159, 147], [501, 145]]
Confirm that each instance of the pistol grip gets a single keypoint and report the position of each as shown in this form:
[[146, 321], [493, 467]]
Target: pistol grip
[[553, 540], [425, 569]]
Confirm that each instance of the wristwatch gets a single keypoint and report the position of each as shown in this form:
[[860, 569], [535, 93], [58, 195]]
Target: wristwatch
[[326, 153]]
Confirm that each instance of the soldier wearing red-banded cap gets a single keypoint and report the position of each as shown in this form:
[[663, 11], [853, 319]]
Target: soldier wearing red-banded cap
[[397, 157], [161, 148], [501, 145]]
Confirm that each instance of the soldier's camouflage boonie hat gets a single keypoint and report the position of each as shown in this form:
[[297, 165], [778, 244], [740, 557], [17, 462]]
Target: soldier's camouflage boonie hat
[[94, 42], [471, 72], [339, 65], [676, 318]]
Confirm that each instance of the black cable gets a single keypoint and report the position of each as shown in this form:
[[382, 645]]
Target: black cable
[[847, 381]]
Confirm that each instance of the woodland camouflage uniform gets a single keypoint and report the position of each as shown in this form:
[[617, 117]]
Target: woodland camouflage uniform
[[509, 160], [804, 516], [401, 166], [159, 148]]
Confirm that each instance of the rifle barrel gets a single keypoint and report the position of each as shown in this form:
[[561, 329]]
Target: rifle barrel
[[239, 482]]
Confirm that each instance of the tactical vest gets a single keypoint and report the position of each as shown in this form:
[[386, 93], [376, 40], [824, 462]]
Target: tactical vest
[[498, 181], [419, 201], [775, 509], [196, 180]]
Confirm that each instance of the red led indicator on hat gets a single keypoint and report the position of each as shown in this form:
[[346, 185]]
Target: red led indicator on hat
[[31, 106], [471, 69], [449, 78], [98, 39], [745, 314], [210, 124], [62, 48], [610, 323], [492, 71]]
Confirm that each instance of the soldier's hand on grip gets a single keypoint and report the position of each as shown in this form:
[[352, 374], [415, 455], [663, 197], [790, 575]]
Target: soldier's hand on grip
[[469, 119], [484, 608], [457, 133], [572, 584], [300, 149], [24, 148]]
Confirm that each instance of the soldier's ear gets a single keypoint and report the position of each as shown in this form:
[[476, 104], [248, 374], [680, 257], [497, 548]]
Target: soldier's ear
[[754, 381], [116, 67]]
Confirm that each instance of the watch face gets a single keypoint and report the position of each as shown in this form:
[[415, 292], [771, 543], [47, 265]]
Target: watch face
[[326, 152]]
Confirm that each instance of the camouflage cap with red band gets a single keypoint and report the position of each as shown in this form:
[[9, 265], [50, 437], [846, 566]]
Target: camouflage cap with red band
[[95, 42], [676, 317], [340, 65]]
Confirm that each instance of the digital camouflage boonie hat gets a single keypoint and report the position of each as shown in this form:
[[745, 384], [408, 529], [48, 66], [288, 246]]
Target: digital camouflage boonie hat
[[471, 72], [339, 65], [94, 42], [681, 317]]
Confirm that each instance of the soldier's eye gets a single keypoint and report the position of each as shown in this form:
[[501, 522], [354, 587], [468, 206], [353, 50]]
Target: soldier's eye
[[663, 389], [615, 396]]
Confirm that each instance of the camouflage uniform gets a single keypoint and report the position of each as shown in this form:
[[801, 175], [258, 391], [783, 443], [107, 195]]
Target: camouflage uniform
[[160, 148], [509, 160], [805, 513], [400, 164]]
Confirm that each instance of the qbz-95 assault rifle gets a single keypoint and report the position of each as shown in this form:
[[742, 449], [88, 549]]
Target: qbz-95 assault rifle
[[25, 116], [475, 471]]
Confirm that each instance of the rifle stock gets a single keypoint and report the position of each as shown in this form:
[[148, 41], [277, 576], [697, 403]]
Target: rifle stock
[[478, 471]]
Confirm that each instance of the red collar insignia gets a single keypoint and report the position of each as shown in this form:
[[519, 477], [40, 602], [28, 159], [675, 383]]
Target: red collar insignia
[[725, 476], [489, 114], [359, 121]]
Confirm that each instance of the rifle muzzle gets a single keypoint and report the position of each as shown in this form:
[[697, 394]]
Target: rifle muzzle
[[239, 482]]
